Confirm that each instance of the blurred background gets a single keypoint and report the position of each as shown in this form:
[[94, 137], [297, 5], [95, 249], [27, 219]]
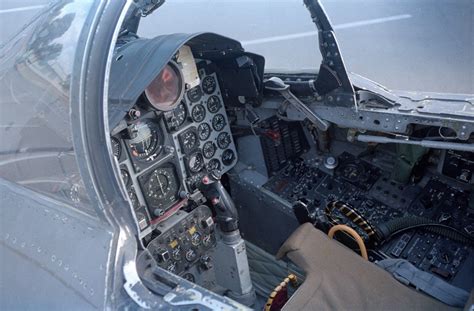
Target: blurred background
[[424, 45]]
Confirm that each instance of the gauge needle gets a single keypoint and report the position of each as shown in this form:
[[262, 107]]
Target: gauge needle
[[161, 186]]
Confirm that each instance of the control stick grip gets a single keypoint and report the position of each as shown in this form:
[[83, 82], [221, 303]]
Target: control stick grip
[[226, 213]]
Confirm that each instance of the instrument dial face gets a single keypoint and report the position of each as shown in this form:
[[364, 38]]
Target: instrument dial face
[[195, 163], [161, 188], [198, 113], [204, 130], [190, 255], [189, 140], [213, 103], [196, 239], [352, 172], [223, 140], [213, 165], [176, 253], [176, 117], [145, 145], [116, 147], [166, 89], [218, 122], [195, 94], [207, 240], [209, 149], [209, 85], [228, 157]]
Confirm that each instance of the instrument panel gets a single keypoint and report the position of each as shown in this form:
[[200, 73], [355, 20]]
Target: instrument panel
[[163, 153], [206, 144]]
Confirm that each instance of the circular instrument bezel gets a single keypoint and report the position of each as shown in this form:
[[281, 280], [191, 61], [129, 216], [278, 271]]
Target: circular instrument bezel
[[225, 153], [209, 149], [200, 130], [214, 103], [154, 87], [154, 149], [214, 120], [224, 140], [203, 111], [166, 194], [205, 88], [191, 167]]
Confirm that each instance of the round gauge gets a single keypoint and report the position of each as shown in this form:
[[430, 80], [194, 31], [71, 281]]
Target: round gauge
[[176, 253], [198, 113], [189, 140], [161, 187], [223, 140], [195, 94], [207, 240], [213, 104], [145, 144], [125, 177], [196, 239], [213, 165], [204, 130], [228, 157], [189, 277], [209, 149], [116, 148], [190, 255], [209, 85], [177, 117], [218, 122], [196, 163], [352, 172], [165, 91]]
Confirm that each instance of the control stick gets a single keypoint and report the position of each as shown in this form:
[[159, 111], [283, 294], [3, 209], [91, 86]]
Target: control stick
[[231, 263], [226, 213]]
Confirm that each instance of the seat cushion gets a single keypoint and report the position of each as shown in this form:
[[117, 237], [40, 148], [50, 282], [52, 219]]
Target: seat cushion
[[339, 279]]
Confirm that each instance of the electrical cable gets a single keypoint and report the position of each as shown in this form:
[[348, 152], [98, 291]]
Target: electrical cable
[[468, 238], [352, 233]]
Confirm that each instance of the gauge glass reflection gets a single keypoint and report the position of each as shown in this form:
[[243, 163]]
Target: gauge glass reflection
[[209, 85], [213, 104], [196, 163], [204, 131], [223, 140], [218, 122], [145, 144], [208, 150], [198, 113], [165, 90]]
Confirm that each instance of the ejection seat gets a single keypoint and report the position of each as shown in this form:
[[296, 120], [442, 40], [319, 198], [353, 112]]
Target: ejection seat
[[339, 279]]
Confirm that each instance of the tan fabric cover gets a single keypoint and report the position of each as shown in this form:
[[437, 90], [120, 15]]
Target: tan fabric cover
[[339, 279]]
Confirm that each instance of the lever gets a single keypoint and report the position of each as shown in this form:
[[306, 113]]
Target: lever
[[277, 84]]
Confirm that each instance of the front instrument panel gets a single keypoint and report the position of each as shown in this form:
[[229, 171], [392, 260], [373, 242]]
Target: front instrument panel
[[164, 153]]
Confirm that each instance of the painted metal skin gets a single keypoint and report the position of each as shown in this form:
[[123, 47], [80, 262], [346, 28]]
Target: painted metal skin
[[57, 247]]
